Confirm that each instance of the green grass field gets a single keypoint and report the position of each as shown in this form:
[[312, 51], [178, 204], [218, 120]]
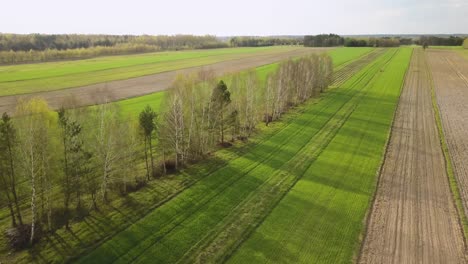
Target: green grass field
[[28, 78], [344, 55], [321, 218], [341, 134]]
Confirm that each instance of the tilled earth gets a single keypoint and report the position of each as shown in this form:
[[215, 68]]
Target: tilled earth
[[414, 218], [450, 73]]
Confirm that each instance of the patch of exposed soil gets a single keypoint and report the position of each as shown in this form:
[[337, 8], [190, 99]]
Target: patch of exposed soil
[[414, 218]]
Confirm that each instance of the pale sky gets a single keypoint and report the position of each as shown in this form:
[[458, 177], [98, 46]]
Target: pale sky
[[234, 17]]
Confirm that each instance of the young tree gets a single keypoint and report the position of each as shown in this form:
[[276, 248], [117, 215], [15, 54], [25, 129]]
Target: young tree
[[269, 97], [34, 124], [205, 138], [129, 143], [104, 141], [172, 134], [220, 99], [147, 120], [7, 168], [425, 46], [244, 102], [250, 110], [75, 160]]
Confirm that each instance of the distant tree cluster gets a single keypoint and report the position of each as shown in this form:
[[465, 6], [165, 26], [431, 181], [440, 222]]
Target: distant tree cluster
[[323, 40], [406, 41], [353, 42], [15, 48], [263, 41], [439, 41], [373, 42], [17, 42], [12, 57], [57, 166]]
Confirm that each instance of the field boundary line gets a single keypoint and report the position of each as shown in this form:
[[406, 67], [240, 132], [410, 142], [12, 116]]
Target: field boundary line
[[453, 182], [362, 237]]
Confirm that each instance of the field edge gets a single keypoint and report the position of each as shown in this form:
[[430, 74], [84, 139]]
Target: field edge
[[453, 182], [362, 237]]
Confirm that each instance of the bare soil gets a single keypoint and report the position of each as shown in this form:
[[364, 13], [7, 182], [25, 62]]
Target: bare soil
[[450, 73], [122, 89], [414, 218]]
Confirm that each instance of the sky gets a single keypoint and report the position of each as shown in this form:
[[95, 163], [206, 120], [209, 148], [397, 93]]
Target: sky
[[234, 17]]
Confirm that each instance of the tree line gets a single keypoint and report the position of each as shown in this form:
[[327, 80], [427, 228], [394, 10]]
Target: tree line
[[332, 40], [56, 164], [373, 42], [264, 41], [323, 40], [439, 41], [16, 48], [40, 42]]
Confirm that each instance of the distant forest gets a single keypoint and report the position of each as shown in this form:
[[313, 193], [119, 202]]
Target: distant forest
[[332, 40], [41, 42], [323, 40], [17, 48], [264, 41], [439, 41]]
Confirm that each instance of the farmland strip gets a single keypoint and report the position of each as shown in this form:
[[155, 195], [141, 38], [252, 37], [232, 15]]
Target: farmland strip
[[413, 217], [320, 218], [243, 220], [451, 91], [238, 188]]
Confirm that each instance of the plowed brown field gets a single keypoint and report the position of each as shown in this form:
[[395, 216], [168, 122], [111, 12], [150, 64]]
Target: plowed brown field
[[450, 73], [414, 218], [117, 90]]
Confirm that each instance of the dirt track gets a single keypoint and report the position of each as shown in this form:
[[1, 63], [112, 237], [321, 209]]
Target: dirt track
[[414, 219], [117, 90], [450, 73]]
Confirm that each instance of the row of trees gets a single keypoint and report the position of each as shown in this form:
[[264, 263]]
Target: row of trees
[[59, 162], [439, 41], [332, 40], [195, 119], [323, 40], [12, 57], [54, 165], [16, 48], [19, 42], [373, 42], [264, 41]]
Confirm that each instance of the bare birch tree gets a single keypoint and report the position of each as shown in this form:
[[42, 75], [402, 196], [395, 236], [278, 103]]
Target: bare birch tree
[[34, 122]]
